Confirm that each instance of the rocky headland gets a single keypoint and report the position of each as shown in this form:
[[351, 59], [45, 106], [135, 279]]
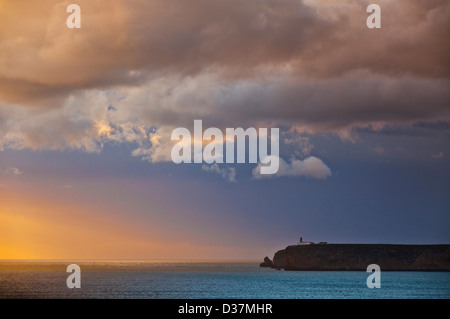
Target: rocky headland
[[359, 256]]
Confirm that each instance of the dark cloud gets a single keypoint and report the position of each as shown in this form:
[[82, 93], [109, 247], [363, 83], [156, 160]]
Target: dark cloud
[[121, 42], [351, 100], [312, 66]]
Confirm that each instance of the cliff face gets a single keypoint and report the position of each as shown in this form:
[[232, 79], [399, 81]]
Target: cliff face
[[359, 256], [279, 259]]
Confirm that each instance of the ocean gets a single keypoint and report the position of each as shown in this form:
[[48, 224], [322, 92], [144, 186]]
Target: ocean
[[216, 280]]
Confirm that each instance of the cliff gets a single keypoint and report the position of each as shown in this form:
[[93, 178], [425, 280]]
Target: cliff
[[359, 256]]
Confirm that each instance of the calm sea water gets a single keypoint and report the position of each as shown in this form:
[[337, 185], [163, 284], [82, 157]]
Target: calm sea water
[[162, 279]]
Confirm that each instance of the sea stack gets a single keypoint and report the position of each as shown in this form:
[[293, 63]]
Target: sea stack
[[266, 263]]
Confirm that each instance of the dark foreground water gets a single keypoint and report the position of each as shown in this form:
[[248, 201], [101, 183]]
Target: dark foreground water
[[153, 279]]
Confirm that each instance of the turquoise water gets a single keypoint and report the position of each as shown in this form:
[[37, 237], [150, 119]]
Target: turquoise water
[[151, 279]]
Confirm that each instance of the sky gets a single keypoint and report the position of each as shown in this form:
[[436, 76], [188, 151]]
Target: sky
[[86, 117]]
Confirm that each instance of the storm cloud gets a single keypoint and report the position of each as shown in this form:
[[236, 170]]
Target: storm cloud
[[137, 69]]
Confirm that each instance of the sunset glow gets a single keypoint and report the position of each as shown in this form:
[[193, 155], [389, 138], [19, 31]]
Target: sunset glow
[[86, 117]]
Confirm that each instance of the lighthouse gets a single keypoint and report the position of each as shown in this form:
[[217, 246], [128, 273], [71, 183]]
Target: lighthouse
[[301, 242]]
